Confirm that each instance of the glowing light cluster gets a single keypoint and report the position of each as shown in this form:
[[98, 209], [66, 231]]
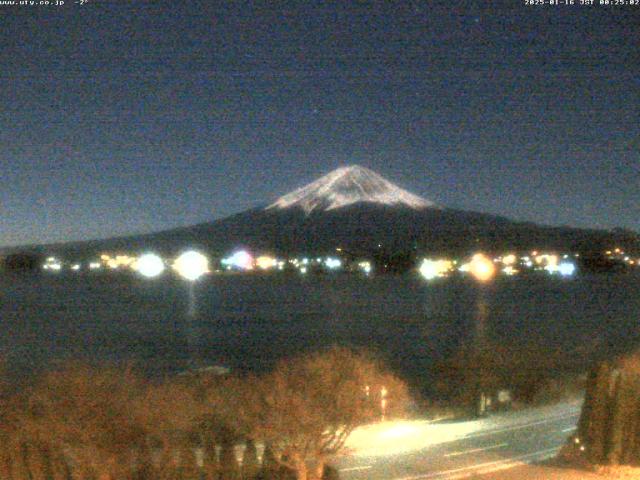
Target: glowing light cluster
[[53, 264], [149, 265], [241, 260], [117, 261], [431, 269], [333, 263], [567, 269], [191, 265], [509, 259], [264, 262], [481, 268], [551, 268], [619, 254], [365, 266], [550, 262], [509, 270]]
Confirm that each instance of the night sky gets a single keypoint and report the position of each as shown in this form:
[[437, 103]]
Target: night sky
[[122, 117]]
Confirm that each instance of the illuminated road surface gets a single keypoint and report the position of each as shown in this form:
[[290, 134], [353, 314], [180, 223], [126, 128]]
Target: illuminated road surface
[[422, 450]]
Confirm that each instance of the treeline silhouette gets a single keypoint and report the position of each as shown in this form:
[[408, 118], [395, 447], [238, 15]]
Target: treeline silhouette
[[83, 422], [21, 262]]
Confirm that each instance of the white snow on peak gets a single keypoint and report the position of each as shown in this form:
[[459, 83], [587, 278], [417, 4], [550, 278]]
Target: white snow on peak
[[346, 186]]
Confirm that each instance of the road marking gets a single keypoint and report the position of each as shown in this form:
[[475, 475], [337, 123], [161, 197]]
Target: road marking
[[473, 450], [571, 429], [486, 467], [355, 469], [520, 426]]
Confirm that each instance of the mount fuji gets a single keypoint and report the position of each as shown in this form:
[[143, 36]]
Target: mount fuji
[[357, 210], [347, 186]]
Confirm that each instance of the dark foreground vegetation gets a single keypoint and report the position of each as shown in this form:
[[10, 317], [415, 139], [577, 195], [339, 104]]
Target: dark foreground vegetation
[[21, 262], [609, 427], [529, 375], [82, 422]]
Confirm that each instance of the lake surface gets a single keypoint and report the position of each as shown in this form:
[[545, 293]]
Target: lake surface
[[247, 322]]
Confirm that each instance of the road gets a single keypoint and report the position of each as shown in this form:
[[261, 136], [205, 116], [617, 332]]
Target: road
[[417, 450]]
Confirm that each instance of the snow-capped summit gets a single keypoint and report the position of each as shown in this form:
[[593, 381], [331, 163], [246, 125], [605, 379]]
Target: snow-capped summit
[[346, 186]]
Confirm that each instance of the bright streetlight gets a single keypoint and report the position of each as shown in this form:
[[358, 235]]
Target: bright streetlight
[[191, 265], [149, 265], [430, 269], [482, 268]]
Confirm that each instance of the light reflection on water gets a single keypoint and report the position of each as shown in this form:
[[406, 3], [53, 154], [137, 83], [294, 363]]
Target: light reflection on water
[[248, 322]]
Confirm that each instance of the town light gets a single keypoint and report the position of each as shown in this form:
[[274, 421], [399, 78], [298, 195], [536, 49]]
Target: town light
[[265, 262], [566, 269], [481, 268], [333, 263], [241, 260], [428, 269], [191, 265], [431, 269], [509, 270], [365, 267], [149, 265], [509, 259]]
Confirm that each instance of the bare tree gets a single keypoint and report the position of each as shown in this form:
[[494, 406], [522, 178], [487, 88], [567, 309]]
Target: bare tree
[[170, 414], [81, 422], [79, 419], [308, 406]]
